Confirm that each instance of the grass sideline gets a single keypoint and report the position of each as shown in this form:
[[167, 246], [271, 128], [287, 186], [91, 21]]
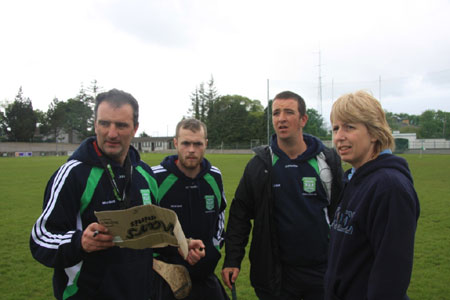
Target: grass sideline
[[23, 180]]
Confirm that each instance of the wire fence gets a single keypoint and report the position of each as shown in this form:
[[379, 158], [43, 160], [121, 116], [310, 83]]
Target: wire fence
[[48, 149]]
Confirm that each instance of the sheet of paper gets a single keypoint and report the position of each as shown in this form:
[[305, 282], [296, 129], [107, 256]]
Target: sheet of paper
[[145, 226]]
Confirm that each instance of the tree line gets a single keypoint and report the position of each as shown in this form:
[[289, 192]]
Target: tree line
[[232, 120], [235, 119], [19, 122]]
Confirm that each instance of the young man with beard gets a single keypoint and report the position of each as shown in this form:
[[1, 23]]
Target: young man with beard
[[192, 187], [290, 190], [104, 173]]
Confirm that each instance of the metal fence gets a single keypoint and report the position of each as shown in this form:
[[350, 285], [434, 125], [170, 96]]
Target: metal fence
[[429, 144]]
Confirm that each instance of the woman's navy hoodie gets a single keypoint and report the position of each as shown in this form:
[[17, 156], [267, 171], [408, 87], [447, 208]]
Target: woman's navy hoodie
[[372, 234]]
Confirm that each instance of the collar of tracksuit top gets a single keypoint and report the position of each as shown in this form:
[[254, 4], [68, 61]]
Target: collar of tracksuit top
[[174, 174], [87, 154], [169, 163], [314, 147], [300, 205]]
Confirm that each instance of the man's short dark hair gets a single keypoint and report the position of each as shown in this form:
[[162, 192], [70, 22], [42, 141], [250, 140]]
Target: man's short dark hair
[[118, 98], [193, 125], [291, 95]]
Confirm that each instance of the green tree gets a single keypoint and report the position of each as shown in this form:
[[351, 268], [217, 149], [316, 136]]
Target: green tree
[[203, 109], [202, 100], [88, 99], [393, 120], [199, 109], [143, 134], [235, 120], [432, 124], [401, 120], [211, 94], [78, 117], [257, 126], [40, 122], [315, 125], [54, 119], [443, 118], [84, 96], [409, 129], [3, 135], [414, 120], [19, 119], [268, 110], [194, 111], [93, 90]]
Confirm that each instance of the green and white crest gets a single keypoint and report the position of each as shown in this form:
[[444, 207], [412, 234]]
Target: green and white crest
[[309, 184], [209, 202], [146, 196]]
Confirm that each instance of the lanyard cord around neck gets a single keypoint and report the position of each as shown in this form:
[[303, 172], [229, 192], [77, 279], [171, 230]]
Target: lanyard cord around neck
[[125, 200]]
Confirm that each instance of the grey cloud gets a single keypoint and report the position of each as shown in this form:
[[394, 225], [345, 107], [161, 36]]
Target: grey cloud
[[165, 23]]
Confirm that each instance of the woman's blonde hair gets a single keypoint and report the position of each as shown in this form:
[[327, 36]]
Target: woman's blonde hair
[[362, 107]]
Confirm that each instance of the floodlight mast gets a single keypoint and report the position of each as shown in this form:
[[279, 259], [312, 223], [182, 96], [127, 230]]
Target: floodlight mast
[[268, 114], [320, 82]]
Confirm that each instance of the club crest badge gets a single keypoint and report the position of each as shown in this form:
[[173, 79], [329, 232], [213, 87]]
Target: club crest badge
[[309, 184], [209, 202], [146, 196]]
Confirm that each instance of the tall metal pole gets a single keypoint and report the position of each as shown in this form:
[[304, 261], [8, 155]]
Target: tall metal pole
[[268, 114], [320, 83], [379, 88], [443, 128]]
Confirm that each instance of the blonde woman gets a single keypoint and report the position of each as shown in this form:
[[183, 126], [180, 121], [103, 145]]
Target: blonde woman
[[372, 234]]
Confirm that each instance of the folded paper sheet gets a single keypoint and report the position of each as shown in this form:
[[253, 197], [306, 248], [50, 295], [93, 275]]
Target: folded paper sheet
[[145, 226]]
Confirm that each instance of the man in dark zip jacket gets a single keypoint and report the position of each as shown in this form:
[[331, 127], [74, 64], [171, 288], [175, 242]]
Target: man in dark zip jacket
[[104, 173], [290, 190], [192, 187]]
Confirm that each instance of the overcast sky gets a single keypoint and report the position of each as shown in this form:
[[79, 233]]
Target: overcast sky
[[160, 51]]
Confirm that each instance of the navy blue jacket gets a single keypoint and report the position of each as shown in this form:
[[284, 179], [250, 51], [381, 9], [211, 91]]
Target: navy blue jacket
[[74, 192], [372, 234], [200, 206], [300, 207]]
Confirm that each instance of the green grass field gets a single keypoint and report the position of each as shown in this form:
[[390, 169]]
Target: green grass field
[[23, 180]]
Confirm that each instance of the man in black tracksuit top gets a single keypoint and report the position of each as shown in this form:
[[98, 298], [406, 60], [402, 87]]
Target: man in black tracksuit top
[[104, 173], [87, 265], [290, 190], [191, 187]]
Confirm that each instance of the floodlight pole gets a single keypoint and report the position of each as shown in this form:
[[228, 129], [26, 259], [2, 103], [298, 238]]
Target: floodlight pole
[[268, 114], [320, 82], [379, 88]]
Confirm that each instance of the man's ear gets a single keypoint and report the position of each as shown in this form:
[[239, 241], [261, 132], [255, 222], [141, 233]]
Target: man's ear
[[304, 120], [136, 128], [175, 142]]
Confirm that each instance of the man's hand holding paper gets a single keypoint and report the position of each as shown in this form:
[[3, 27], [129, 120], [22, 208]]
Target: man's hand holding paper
[[149, 226]]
